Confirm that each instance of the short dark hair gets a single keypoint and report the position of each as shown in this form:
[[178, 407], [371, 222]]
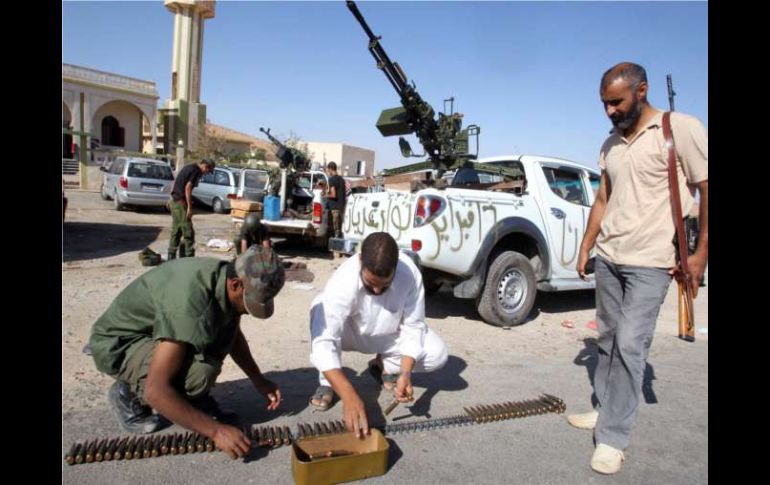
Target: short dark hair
[[331, 166], [379, 254], [209, 163], [634, 74]]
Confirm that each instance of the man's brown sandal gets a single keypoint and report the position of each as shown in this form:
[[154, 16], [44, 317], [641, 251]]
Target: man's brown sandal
[[323, 397]]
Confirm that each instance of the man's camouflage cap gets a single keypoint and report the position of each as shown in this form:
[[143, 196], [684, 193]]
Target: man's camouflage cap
[[262, 274]]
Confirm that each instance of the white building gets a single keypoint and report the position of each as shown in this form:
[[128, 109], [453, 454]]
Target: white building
[[351, 161], [110, 106]]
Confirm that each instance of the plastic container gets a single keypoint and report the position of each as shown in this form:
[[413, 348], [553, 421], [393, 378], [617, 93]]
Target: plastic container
[[272, 208]]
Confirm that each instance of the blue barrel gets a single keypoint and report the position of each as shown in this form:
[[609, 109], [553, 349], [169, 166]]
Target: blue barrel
[[272, 209]]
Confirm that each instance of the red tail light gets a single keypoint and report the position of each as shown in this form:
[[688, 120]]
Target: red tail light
[[428, 207], [123, 182], [317, 213], [416, 245], [232, 196]]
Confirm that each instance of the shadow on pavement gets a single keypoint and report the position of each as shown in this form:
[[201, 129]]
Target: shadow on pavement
[[90, 240]]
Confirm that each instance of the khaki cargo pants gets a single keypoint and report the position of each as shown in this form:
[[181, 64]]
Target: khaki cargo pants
[[194, 379], [181, 228]]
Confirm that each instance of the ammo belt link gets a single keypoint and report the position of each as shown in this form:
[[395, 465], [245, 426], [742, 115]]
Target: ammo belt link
[[139, 447]]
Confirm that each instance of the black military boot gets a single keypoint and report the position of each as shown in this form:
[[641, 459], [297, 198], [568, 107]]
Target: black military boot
[[132, 415]]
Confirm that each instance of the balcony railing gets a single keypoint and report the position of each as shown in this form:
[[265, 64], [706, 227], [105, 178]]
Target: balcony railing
[[108, 79]]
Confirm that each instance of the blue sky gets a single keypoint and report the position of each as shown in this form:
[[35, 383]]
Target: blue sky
[[526, 72]]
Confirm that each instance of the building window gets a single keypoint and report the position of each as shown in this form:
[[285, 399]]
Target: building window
[[112, 133], [361, 167]]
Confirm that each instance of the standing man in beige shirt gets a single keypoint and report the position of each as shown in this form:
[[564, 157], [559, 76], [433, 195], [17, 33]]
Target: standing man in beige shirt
[[632, 227]]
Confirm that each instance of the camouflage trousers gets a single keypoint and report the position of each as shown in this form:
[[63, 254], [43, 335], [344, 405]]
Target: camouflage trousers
[[336, 222], [194, 379], [181, 228]]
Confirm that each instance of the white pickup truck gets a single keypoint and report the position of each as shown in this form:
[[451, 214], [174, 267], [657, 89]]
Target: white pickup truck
[[303, 215], [496, 247]]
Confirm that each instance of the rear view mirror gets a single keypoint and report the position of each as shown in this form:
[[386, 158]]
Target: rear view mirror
[[102, 169]]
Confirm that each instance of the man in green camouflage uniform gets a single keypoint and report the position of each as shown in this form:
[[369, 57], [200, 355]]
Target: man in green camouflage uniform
[[181, 208], [252, 232], [165, 336]]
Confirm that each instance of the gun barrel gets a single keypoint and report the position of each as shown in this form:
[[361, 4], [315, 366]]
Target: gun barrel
[[671, 93], [393, 72], [357, 13]]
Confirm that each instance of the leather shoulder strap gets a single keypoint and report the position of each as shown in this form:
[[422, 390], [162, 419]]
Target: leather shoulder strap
[[673, 181]]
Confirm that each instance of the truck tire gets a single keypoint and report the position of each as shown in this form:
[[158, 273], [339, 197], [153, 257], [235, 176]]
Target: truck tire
[[509, 291], [430, 285]]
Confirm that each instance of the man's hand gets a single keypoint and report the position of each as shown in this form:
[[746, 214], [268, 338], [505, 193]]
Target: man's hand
[[231, 440], [189, 212], [583, 258], [354, 415], [404, 390], [697, 266], [271, 392]]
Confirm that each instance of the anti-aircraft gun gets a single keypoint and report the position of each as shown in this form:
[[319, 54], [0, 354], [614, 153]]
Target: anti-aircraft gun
[[445, 141], [289, 157]]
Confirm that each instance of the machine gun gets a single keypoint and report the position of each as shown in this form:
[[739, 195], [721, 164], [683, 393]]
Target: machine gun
[[289, 157], [445, 141]]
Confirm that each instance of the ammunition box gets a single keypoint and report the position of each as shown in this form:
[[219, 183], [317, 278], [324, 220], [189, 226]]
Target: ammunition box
[[358, 458], [394, 121]]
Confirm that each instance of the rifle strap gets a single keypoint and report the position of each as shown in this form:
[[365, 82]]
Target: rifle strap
[[676, 205]]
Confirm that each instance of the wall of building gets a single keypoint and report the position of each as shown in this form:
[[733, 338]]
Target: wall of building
[[323, 153], [351, 156], [98, 94], [130, 119], [345, 156]]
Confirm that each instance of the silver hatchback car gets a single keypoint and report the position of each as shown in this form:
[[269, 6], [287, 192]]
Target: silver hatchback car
[[137, 182]]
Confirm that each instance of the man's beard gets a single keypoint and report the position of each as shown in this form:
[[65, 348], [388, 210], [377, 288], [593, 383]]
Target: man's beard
[[627, 121]]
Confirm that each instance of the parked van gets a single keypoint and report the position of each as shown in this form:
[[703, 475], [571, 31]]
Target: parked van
[[216, 189], [137, 182]]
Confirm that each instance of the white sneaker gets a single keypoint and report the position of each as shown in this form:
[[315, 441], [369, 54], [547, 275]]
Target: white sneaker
[[607, 460], [584, 421]]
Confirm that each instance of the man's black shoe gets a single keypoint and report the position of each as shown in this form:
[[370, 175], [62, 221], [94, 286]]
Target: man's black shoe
[[129, 411], [210, 406]]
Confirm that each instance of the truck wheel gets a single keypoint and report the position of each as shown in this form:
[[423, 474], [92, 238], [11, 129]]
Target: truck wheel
[[218, 206], [430, 285], [509, 291]]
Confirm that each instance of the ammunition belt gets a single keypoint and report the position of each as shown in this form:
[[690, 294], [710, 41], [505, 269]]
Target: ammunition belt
[[139, 447]]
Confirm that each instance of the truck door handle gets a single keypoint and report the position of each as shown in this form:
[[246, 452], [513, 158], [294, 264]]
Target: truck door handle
[[558, 213]]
